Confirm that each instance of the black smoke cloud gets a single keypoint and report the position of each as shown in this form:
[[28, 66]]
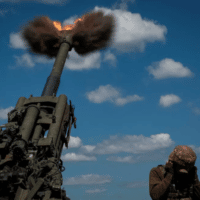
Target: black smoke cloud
[[93, 33]]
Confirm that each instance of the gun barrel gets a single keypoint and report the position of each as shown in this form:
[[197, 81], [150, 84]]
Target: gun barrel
[[53, 81]]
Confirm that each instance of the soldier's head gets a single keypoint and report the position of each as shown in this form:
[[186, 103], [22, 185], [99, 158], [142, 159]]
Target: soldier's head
[[183, 158]]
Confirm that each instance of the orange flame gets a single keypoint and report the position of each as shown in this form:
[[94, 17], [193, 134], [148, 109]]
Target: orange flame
[[67, 27]]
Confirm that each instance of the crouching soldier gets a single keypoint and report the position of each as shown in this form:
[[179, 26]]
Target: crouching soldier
[[177, 179]]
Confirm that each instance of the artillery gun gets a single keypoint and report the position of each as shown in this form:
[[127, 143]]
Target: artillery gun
[[30, 164]]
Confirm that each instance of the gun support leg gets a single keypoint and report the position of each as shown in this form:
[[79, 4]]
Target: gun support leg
[[54, 129], [37, 133], [21, 194], [47, 195], [29, 122], [20, 102]]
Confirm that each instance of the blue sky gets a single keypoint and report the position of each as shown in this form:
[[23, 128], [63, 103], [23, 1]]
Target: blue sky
[[134, 101]]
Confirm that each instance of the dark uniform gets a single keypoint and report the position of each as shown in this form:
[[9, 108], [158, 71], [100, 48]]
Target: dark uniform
[[177, 179]]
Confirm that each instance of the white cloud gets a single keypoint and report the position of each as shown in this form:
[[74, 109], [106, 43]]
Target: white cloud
[[76, 62], [110, 58], [168, 68], [88, 179], [69, 20], [128, 99], [123, 5], [169, 99], [25, 60], [132, 32], [134, 144], [102, 94], [28, 60], [195, 148], [43, 59], [196, 110], [77, 157], [88, 148], [51, 1], [111, 94], [3, 12], [4, 112], [127, 159], [40, 1], [16, 41], [137, 184], [75, 142], [95, 191]]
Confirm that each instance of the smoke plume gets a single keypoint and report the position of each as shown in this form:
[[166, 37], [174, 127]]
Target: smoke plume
[[42, 37], [92, 33]]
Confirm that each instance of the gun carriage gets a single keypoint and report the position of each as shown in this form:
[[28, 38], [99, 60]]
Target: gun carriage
[[30, 164]]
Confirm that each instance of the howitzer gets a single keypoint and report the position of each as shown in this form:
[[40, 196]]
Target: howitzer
[[30, 164]]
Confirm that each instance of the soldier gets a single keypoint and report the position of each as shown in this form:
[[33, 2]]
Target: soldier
[[177, 179]]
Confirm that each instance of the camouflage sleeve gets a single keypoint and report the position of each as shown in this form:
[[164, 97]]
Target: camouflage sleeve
[[196, 187], [197, 191], [157, 186]]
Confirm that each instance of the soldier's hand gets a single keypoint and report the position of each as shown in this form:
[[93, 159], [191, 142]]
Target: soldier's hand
[[169, 167]]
